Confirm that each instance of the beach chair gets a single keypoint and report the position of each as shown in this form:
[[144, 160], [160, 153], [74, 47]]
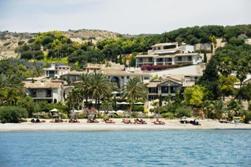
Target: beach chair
[[126, 121]]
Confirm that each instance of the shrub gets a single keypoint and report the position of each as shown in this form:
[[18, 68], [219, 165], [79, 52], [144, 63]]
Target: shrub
[[12, 114], [247, 117], [182, 111], [138, 108], [168, 115], [82, 115]]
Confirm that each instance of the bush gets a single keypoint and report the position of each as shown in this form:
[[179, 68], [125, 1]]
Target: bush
[[12, 114], [138, 108], [168, 115], [182, 111], [82, 115], [175, 110], [247, 117]]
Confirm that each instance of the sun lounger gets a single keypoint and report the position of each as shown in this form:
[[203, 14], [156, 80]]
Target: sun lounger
[[109, 121], [126, 121], [194, 122], [33, 120], [92, 121], [139, 121], [73, 121], [158, 122]]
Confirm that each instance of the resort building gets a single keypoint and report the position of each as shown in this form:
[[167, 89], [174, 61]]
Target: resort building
[[122, 76], [51, 91], [191, 73], [92, 68], [169, 54], [203, 47], [162, 88], [72, 76], [56, 70]]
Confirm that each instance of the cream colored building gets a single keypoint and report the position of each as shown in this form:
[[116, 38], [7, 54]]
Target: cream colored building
[[169, 54]]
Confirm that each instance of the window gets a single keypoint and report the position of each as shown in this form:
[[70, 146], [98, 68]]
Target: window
[[179, 58], [164, 89], [33, 93], [146, 78], [159, 60], [170, 47], [150, 59], [48, 93], [153, 90], [169, 59], [173, 89], [189, 58]]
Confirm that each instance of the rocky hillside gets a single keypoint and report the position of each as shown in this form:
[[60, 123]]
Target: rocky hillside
[[10, 40]]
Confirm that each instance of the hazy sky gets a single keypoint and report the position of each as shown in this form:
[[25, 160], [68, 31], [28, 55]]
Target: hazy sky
[[123, 16]]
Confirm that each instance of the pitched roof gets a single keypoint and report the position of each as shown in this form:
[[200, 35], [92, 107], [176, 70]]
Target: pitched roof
[[155, 83], [42, 84], [112, 72]]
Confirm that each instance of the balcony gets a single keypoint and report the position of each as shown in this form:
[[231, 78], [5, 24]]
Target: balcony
[[41, 98], [163, 51]]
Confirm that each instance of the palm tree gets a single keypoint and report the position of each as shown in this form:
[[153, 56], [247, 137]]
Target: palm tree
[[100, 88], [75, 98], [135, 90], [85, 86]]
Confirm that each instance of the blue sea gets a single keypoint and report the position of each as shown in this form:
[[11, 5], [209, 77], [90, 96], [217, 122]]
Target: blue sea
[[126, 148]]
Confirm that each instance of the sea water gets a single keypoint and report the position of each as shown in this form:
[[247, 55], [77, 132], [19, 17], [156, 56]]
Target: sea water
[[126, 148]]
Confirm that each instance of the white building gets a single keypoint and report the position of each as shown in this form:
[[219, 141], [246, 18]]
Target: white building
[[190, 74], [51, 91], [56, 70], [169, 54]]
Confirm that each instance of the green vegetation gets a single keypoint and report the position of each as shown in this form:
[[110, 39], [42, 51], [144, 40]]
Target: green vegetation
[[135, 90], [92, 86], [174, 110], [194, 95], [12, 114], [12, 73], [233, 58], [53, 46], [207, 96]]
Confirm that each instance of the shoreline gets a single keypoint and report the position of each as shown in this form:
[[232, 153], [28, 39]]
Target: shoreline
[[119, 126]]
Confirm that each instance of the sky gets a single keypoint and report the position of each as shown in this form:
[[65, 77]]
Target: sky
[[123, 16]]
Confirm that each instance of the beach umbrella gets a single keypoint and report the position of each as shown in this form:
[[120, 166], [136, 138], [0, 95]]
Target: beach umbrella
[[54, 110]]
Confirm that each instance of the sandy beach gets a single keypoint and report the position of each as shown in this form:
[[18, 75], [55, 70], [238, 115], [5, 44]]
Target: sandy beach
[[101, 126]]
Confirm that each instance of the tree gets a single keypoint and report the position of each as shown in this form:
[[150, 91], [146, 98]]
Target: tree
[[226, 85], [75, 99], [12, 114], [94, 86], [243, 68], [135, 90], [100, 88], [194, 95], [28, 103], [209, 80], [245, 92], [214, 109], [85, 86]]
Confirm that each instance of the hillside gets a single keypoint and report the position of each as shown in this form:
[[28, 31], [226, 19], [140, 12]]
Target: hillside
[[9, 41], [39, 44]]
